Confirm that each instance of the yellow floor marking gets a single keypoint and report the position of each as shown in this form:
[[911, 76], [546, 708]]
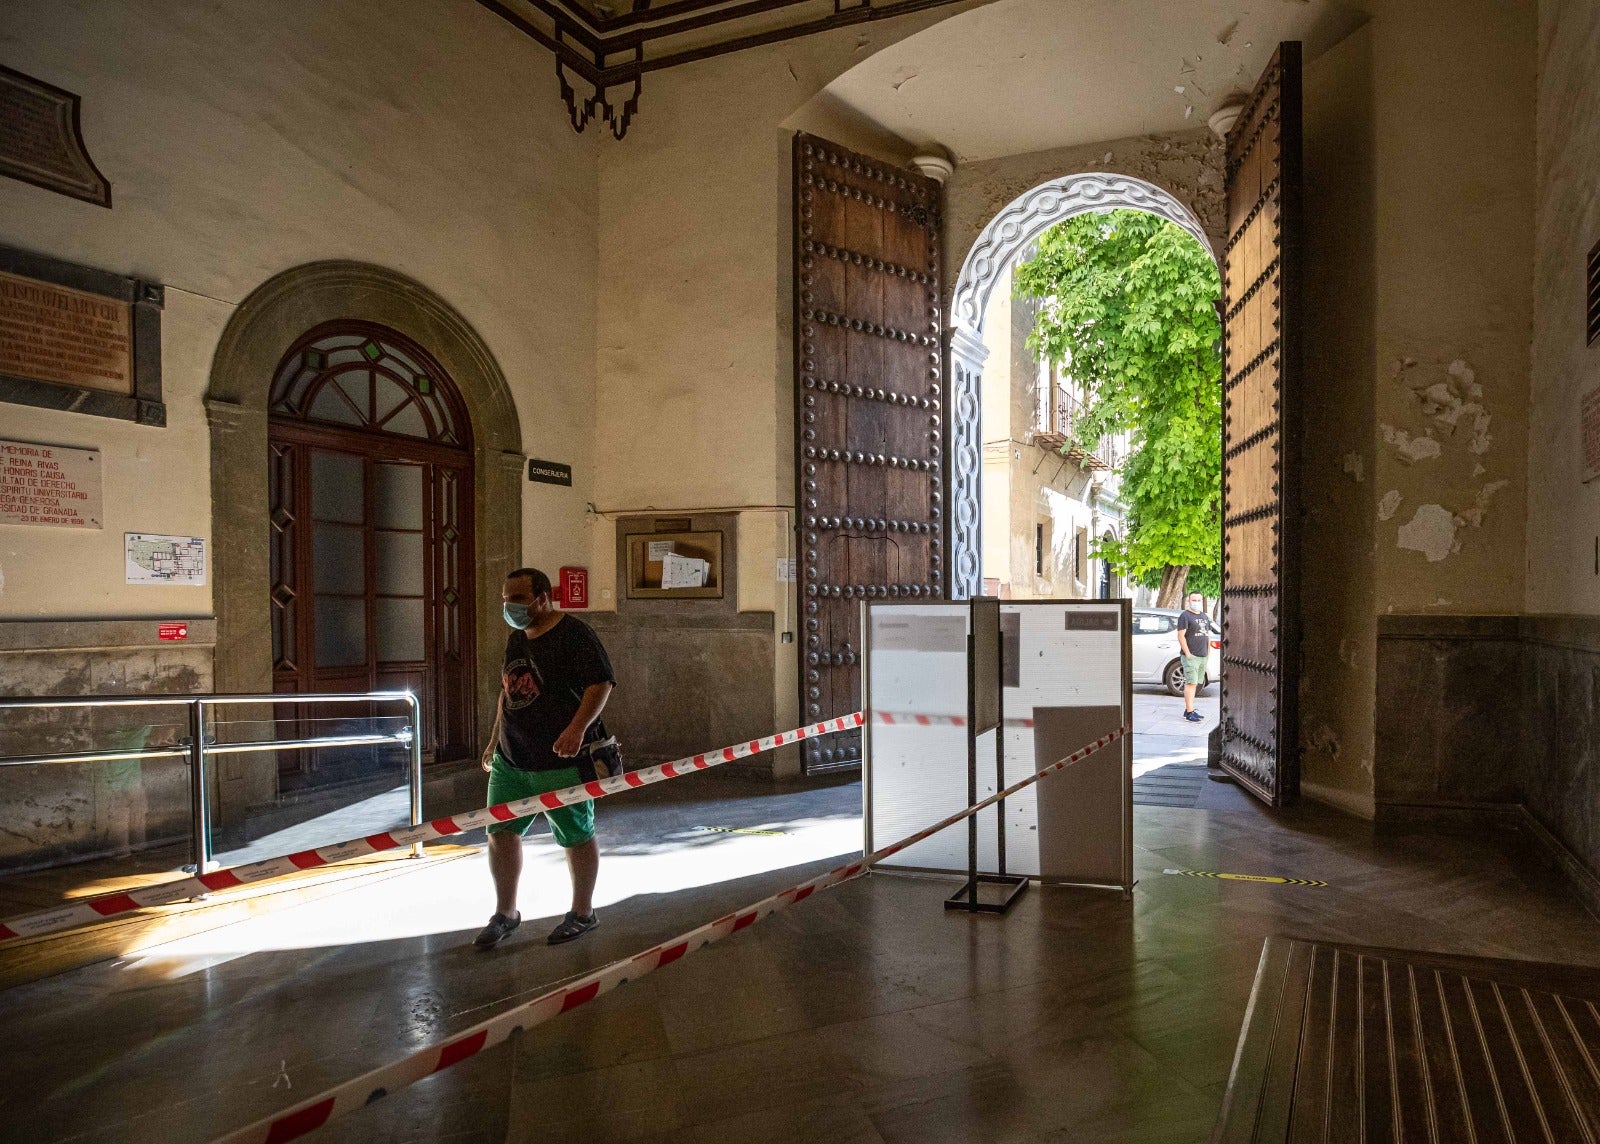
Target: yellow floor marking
[[741, 830], [1271, 879]]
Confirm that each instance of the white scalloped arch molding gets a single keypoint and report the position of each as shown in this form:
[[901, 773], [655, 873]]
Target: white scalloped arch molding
[[1008, 234]]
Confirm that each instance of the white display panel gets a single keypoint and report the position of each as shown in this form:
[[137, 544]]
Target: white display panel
[[1065, 674], [917, 665]]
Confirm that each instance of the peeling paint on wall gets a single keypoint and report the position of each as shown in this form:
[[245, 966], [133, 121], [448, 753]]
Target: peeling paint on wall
[[1390, 504], [1431, 531], [1474, 515], [1458, 401], [1324, 738], [1411, 449]]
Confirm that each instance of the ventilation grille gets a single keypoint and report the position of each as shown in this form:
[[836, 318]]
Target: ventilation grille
[[1594, 293]]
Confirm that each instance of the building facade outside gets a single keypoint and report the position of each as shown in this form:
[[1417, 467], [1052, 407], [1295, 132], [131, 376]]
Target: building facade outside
[[1046, 502]]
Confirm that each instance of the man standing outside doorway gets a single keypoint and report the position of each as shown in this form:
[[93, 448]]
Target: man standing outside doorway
[[1194, 638], [547, 735]]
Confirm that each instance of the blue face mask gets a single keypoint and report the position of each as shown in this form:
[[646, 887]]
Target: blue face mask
[[516, 615]]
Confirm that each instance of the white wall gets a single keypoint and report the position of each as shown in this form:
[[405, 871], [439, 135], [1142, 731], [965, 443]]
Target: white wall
[[242, 139]]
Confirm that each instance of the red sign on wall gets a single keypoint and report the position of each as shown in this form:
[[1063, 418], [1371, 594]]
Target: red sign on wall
[[166, 632], [574, 587]]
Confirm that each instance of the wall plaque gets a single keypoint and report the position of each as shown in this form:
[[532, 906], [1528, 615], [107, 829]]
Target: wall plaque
[[1589, 423], [79, 339], [49, 485], [41, 139]]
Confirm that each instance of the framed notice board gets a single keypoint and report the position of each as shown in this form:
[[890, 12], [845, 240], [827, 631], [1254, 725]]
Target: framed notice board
[[674, 565]]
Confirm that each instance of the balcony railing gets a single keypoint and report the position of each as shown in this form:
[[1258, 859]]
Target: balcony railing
[[1065, 414]]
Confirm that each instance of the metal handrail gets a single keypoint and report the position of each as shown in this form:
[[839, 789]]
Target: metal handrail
[[197, 748]]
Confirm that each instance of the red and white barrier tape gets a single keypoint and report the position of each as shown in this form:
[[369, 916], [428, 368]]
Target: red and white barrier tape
[[316, 1111], [88, 910], [918, 719]]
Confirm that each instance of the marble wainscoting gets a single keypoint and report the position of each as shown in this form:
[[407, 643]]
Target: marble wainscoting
[[1489, 721], [64, 812]]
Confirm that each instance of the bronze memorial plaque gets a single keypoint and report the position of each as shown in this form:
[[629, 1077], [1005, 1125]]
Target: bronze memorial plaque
[[54, 333], [41, 141]]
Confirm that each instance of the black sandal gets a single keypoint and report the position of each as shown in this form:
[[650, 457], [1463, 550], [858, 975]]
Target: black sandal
[[573, 926]]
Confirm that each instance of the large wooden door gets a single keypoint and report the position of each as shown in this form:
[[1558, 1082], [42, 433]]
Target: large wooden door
[[869, 448], [1261, 428]]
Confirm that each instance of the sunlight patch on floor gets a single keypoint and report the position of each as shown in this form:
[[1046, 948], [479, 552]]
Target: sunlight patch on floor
[[456, 898]]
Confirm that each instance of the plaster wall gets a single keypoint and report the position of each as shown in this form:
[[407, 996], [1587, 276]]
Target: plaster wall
[[1453, 161], [1563, 511], [243, 139], [694, 385], [1338, 614]]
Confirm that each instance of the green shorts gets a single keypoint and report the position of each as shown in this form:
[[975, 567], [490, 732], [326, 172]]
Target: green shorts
[[1194, 669], [572, 825]]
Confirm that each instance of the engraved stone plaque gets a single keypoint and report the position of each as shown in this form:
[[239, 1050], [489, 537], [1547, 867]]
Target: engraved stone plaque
[[49, 485], [41, 141]]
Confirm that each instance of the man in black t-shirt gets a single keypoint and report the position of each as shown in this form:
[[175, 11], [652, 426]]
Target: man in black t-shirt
[[1194, 641], [547, 735]]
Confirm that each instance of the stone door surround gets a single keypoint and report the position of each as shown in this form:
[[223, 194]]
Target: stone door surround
[[260, 332]]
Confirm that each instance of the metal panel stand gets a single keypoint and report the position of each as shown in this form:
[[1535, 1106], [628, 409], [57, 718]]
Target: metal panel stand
[[985, 674]]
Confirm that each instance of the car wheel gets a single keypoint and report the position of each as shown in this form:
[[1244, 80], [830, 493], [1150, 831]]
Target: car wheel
[[1173, 677]]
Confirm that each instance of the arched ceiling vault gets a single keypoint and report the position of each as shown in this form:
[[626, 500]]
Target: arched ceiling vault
[[1019, 76]]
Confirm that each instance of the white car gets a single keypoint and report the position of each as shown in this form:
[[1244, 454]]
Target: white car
[[1156, 655]]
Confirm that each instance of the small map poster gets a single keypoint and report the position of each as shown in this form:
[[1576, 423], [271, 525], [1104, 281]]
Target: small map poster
[[165, 559]]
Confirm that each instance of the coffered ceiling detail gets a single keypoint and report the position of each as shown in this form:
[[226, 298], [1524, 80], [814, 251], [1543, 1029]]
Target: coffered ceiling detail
[[609, 47]]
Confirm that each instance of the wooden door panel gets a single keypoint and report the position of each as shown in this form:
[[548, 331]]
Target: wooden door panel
[[1260, 489], [867, 400]]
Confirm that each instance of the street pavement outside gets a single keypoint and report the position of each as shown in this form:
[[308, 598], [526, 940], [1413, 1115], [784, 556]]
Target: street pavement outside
[[1161, 735]]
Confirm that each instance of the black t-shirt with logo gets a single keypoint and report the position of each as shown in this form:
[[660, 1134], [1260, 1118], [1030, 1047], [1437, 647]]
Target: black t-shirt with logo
[[1194, 631], [543, 681]]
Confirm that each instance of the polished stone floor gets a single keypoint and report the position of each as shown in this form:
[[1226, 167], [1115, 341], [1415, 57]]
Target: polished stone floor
[[866, 1014]]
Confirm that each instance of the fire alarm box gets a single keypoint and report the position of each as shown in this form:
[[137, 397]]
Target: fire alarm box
[[574, 587]]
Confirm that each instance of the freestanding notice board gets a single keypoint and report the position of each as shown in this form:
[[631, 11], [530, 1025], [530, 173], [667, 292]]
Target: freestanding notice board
[[1066, 680]]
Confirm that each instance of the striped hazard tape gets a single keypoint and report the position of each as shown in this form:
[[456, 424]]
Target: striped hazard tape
[[919, 719], [314, 1112], [88, 910], [1271, 879]]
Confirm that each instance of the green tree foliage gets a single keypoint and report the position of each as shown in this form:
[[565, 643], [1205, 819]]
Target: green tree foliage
[[1128, 308]]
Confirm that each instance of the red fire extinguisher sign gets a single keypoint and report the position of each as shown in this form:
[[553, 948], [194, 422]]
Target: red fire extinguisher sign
[[574, 587]]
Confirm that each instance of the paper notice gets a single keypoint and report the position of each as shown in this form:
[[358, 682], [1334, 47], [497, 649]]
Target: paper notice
[[659, 550], [683, 572]]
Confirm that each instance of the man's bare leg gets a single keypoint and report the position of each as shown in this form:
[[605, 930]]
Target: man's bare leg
[[583, 863], [505, 864], [1188, 696]]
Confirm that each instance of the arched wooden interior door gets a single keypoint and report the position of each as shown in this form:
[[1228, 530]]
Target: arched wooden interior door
[[371, 536], [1261, 428]]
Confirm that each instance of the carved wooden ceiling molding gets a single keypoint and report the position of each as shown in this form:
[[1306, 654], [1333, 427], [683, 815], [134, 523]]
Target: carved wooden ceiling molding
[[612, 45]]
